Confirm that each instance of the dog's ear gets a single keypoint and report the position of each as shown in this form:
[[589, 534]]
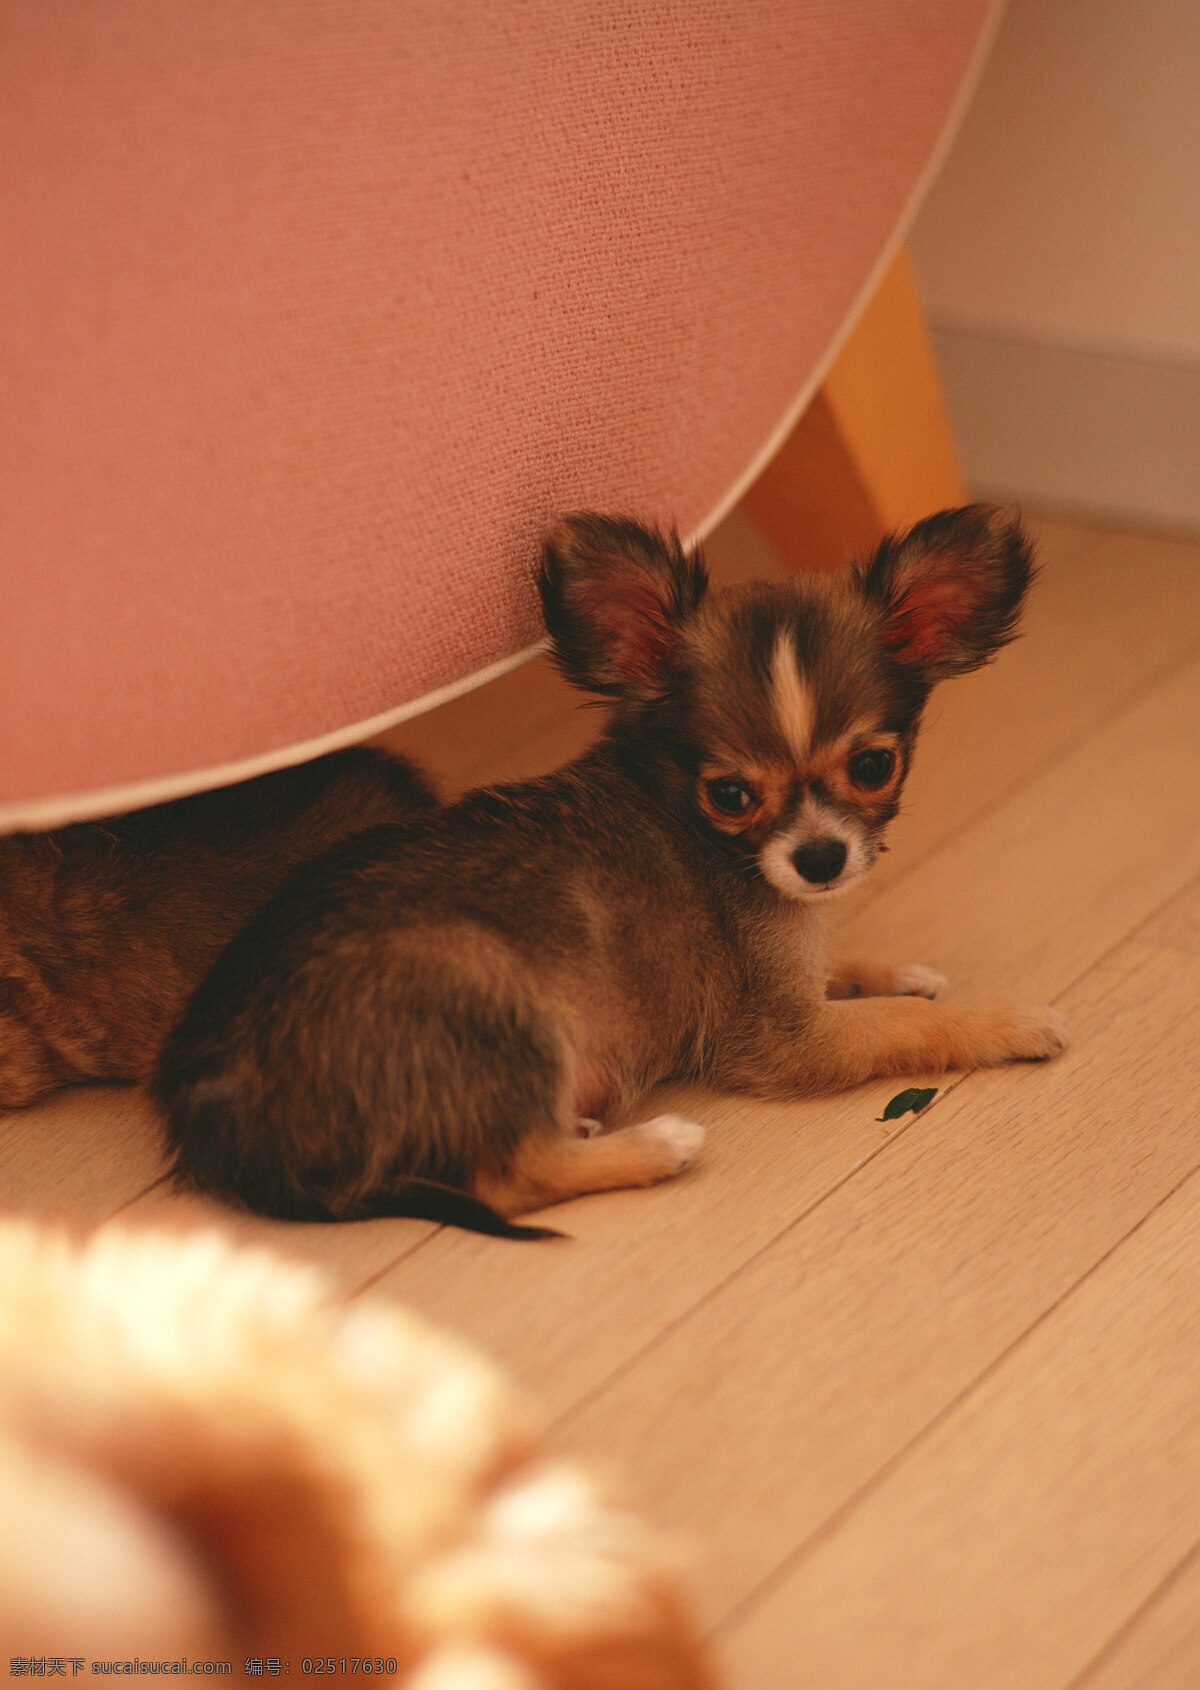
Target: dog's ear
[[614, 596], [951, 588]]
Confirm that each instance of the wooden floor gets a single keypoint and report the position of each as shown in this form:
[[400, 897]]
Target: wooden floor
[[924, 1395]]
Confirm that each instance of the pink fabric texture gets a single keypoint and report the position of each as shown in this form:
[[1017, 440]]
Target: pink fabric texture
[[312, 313]]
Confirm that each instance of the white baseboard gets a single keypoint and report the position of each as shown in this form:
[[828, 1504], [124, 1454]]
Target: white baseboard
[[1092, 432]]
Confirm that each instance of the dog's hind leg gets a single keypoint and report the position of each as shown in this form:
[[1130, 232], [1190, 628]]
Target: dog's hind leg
[[551, 1167], [871, 980], [28, 1070]]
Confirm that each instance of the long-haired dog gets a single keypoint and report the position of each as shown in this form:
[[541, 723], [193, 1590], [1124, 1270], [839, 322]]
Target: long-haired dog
[[453, 1000], [107, 927], [205, 1454]]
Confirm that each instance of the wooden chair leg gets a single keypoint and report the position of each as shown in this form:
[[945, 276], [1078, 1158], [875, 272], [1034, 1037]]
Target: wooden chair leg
[[873, 451]]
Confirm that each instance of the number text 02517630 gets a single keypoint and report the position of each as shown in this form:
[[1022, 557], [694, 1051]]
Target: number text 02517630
[[342, 1664]]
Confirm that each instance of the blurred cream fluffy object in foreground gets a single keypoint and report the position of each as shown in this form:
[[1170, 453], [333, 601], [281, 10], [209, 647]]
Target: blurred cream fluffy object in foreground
[[205, 1452]]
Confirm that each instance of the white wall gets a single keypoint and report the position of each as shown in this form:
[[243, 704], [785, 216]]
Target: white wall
[[1059, 258]]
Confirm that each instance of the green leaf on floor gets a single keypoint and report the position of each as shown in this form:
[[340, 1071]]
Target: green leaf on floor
[[915, 1098]]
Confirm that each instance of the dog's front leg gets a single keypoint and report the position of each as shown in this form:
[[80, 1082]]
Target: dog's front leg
[[874, 980], [828, 1045]]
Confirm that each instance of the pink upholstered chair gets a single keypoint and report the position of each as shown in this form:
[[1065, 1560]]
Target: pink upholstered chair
[[314, 311]]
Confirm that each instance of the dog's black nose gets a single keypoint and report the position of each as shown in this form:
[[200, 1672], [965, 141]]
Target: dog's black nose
[[823, 859]]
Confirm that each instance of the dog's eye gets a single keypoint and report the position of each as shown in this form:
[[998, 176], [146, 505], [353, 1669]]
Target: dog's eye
[[730, 797], [871, 768]]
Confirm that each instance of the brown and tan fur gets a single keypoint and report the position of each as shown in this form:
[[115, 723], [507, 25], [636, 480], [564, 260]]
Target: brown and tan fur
[[205, 1451], [457, 999], [106, 927]]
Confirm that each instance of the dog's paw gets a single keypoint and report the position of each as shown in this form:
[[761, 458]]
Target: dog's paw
[[1034, 1033], [676, 1142], [915, 981]]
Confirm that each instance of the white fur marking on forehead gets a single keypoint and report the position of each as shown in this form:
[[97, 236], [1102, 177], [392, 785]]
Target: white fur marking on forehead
[[792, 700]]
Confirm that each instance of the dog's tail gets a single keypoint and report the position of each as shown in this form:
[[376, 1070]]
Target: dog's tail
[[213, 1155], [426, 1200]]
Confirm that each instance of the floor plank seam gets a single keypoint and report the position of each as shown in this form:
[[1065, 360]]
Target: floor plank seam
[[404, 1255], [944, 1091], [154, 1185], [845, 1509], [1131, 938], [1129, 1624]]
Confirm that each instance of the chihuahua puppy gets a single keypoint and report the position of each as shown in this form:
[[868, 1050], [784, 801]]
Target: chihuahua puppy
[[106, 927], [455, 1000]]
